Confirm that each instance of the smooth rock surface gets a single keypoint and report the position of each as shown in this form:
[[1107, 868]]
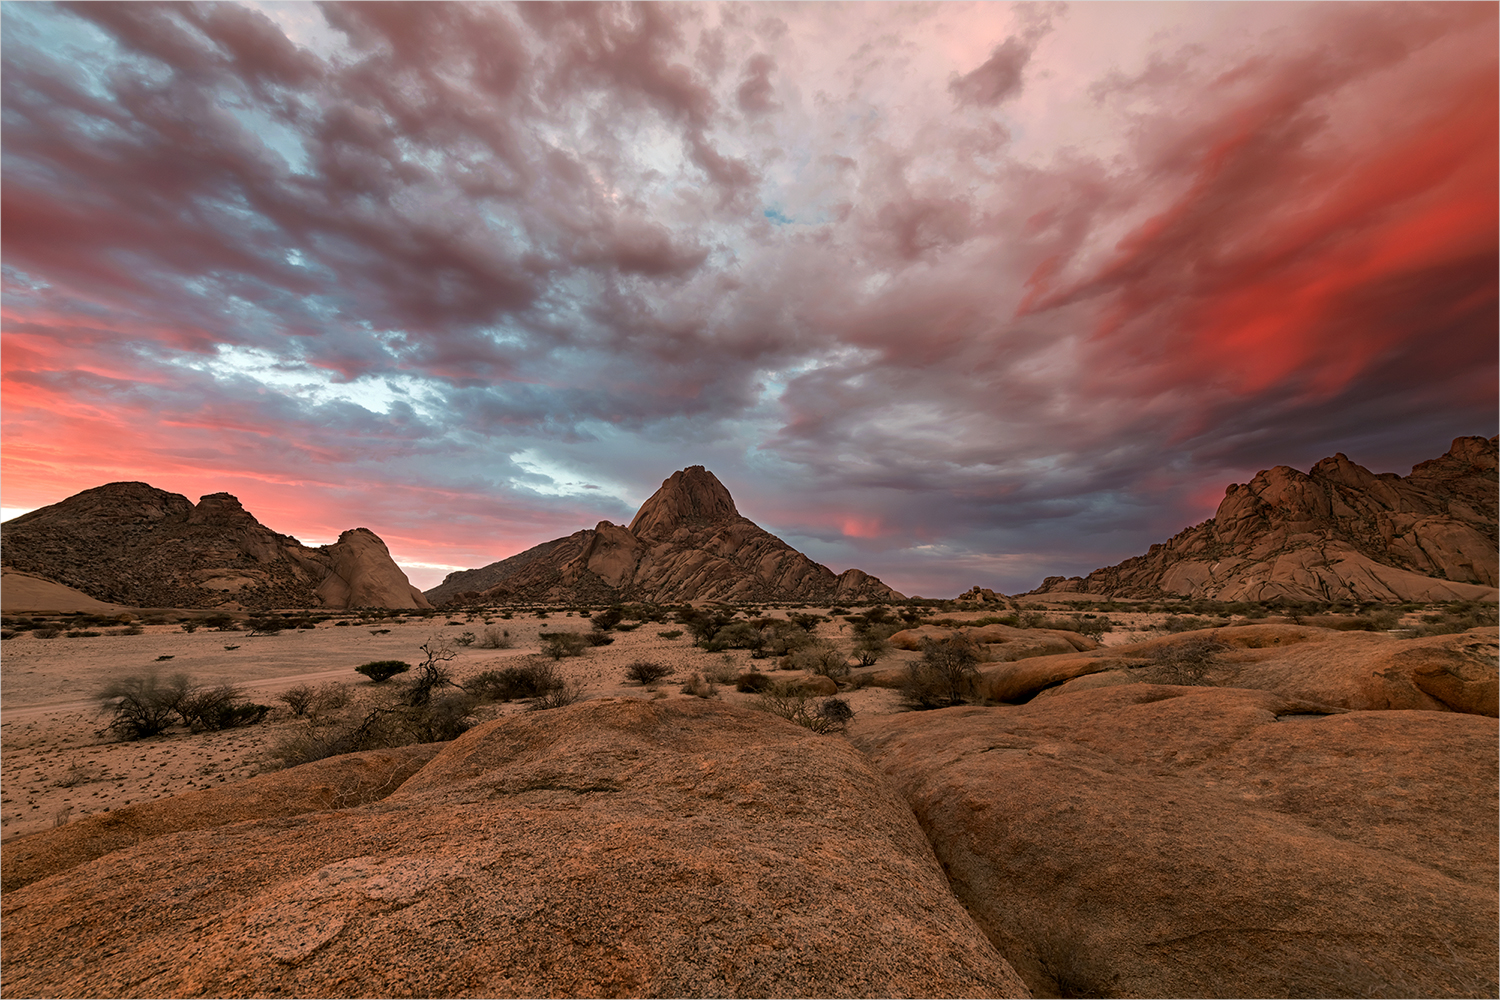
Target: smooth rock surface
[[1146, 840], [669, 848]]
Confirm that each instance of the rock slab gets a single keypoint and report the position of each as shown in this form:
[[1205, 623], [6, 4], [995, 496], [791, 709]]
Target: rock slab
[[1147, 840], [611, 848]]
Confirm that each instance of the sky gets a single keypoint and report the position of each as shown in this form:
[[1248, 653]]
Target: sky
[[959, 294]]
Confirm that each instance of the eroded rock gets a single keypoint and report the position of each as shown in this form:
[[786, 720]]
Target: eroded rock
[[670, 848], [1145, 840]]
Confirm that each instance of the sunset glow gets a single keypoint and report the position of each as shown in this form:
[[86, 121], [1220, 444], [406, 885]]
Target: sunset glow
[[957, 294]]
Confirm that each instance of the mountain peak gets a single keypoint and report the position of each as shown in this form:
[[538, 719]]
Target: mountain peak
[[693, 497]]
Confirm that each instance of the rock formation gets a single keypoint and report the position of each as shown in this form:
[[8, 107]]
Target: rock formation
[[688, 542], [1164, 841], [133, 544], [1339, 532], [611, 848]]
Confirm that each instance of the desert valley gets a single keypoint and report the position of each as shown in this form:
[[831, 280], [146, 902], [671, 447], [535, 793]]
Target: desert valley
[[679, 757]]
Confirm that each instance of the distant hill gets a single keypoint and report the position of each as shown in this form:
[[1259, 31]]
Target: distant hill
[[135, 545], [688, 542], [1338, 532]]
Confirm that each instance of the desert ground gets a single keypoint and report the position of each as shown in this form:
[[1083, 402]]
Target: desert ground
[[59, 764]]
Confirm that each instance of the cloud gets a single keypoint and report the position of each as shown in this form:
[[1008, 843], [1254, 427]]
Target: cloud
[[929, 304]]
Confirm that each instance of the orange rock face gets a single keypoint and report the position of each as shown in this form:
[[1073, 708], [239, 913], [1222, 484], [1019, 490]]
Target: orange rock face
[[688, 542], [1338, 532], [1148, 840], [132, 544], [612, 848]]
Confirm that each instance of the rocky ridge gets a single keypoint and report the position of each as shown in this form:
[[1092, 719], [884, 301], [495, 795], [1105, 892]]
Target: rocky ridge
[[687, 542], [1337, 532], [132, 544]]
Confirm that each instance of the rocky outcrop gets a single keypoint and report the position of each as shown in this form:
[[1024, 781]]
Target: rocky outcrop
[[1148, 840], [1343, 671], [688, 542], [611, 848], [132, 544], [1338, 532]]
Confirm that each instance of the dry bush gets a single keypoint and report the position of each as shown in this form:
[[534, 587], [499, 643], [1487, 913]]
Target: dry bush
[[383, 726], [140, 705], [945, 675], [752, 682], [700, 687], [564, 694], [495, 638], [560, 644], [645, 672], [1188, 661], [793, 704], [536, 678]]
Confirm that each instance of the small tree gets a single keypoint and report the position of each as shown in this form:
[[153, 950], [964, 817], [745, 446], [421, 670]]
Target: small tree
[[380, 671], [944, 676], [141, 705]]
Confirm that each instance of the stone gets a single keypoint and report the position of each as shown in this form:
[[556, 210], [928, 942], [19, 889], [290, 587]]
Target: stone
[[1338, 532], [133, 545], [688, 542], [614, 847], [1148, 840]]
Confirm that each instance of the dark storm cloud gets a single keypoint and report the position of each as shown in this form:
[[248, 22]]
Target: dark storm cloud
[[454, 265]]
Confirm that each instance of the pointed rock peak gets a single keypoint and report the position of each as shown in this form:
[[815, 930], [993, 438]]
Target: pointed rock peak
[[691, 498], [221, 508]]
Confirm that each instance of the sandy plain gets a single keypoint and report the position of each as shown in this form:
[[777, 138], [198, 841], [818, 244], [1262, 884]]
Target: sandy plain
[[57, 764]]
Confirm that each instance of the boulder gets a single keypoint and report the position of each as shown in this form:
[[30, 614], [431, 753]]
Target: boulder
[[1144, 840], [614, 847]]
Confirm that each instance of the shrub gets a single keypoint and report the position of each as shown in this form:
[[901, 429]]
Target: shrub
[[594, 637], [494, 638], [380, 671], [48, 632], [817, 659], [672, 633], [699, 687], [1187, 662], [645, 672], [534, 679], [869, 649], [609, 618], [83, 634], [725, 672], [222, 706], [189, 627], [442, 719], [467, 639], [564, 694], [141, 705], [785, 701], [299, 699], [264, 626], [560, 644], [753, 682], [945, 675]]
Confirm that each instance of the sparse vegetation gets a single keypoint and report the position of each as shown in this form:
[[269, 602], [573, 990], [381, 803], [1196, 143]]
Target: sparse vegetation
[[1188, 661], [536, 678], [140, 705], [700, 687]]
